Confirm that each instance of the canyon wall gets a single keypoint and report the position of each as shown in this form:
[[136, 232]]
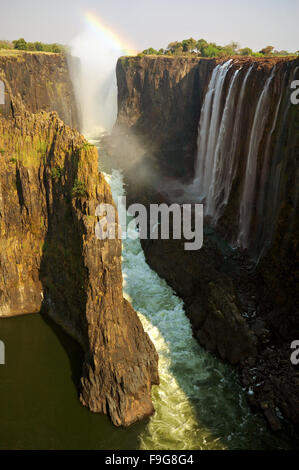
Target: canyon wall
[[242, 303], [51, 260], [41, 81], [159, 100]]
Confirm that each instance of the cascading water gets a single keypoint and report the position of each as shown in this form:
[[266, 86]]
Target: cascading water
[[231, 131], [228, 159], [208, 132], [272, 177], [258, 127]]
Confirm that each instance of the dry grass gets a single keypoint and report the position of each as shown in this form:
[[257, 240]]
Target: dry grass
[[16, 52]]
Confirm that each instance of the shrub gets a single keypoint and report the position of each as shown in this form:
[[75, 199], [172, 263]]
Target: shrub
[[246, 51], [6, 45], [20, 44], [57, 172], [267, 50], [150, 51], [79, 189]]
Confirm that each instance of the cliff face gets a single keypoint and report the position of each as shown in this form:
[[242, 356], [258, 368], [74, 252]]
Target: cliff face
[[42, 82], [245, 311], [51, 260], [159, 99]]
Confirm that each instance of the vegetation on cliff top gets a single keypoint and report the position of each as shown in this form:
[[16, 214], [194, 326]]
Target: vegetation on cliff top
[[202, 48], [22, 45]]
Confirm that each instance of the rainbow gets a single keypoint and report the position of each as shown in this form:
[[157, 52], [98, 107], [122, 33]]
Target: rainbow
[[94, 21]]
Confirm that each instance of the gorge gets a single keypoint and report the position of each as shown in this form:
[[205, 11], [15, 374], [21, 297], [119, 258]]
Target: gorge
[[172, 114], [224, 133]]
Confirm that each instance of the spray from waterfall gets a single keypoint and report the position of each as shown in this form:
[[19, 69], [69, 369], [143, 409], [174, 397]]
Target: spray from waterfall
[[97, 50]]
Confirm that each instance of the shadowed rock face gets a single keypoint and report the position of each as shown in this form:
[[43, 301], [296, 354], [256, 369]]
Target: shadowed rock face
[[51, 260], [42, 82]]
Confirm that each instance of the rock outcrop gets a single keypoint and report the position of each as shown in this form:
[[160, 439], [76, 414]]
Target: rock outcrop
[[51, 260]]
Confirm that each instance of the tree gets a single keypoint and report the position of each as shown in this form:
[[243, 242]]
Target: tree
[[150, 51], [175, 47], [210, 50], [267, 50], [20, 44], [30, 46], [200, 45], [56, 48], [189, 45], [38, 46], [233, 46], [246, 51]]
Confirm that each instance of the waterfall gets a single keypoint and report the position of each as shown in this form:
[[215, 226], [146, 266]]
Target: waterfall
[[274, 166], [228, 166], [257, 131], [209, 129], [220, 170], [232, 168]]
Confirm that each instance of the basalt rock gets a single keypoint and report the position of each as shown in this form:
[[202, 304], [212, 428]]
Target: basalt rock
[[41, 81], [51, 260]]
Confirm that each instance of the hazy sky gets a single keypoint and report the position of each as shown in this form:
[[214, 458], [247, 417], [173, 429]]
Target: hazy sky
[[144, 23]]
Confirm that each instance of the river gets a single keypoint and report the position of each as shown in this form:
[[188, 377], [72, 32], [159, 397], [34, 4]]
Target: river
[[199, 404]]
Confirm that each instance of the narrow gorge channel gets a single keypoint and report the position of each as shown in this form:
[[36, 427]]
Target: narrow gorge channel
[[200, 403]]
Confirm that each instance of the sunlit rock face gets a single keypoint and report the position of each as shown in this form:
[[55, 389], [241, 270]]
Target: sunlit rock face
[[42, 82], [51, 260]]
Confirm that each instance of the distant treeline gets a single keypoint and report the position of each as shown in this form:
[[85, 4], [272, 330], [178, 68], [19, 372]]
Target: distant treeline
[[202, 48], [22, 45]]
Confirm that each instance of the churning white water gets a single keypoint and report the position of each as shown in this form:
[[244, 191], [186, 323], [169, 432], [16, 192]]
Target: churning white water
[[199, 403]]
